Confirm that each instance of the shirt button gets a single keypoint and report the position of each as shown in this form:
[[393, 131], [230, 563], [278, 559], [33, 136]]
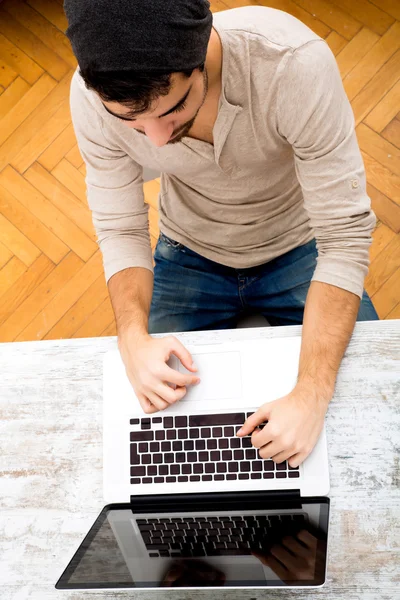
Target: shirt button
[[354, 183]]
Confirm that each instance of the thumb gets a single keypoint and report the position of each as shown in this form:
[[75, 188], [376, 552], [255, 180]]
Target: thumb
[[255, 419], [184, 355]]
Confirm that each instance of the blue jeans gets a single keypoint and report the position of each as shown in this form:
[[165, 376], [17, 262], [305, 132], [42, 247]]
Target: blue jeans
[[192, 293]]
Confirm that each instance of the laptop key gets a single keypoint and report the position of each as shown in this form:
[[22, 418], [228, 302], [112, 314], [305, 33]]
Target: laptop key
[[134, 421], [181, 421], [163, 470], [191, 457], [268, 475], [203, 456], [154, 447], [268, 465], [188, 445], [215, 455], [165, 446], [171, 434], [227, 455], [200, 444], [142, 436], [231, 476], [223, 444], [180, 457], [219, 477], [206, 478], [229, 432], [187, 469], [206, 432], [256, 465], [169, 457], [221, 467], [157, 419], [160, 434], [152, 470], [217, 432], [146, 459], [294, 474], [211, 444], [135, 458], [175, 469], [281, 466], [158, 479], [135, 480], [143, 447], [182, 434], [168, 422], [210, 468], [238, 454], [183, 478], [281, 475], [197, 468], [176, 446], [145, 424], [250, 454], [217, 419], [255, 476], [195, 478], [170, 479], [138, 471], [246, 442], [235, 443], [194, 434], [243, 475], [157, 458], [147, 480]]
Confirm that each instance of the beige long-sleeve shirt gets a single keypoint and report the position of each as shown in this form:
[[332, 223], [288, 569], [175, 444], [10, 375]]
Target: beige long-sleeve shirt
[[285, 165]]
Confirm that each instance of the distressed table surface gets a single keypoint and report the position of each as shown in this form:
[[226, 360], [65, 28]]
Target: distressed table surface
[[51, 465]]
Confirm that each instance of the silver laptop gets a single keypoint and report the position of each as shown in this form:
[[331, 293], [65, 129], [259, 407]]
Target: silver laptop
[[191, 505]]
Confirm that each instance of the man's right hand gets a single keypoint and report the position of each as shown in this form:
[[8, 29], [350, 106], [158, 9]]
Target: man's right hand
[[156, 385]]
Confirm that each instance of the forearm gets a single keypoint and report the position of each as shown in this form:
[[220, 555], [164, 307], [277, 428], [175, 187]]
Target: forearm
[[130, 292], [329, 318]]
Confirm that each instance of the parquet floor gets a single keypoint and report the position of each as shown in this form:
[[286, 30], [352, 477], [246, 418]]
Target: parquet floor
[[51, 278]]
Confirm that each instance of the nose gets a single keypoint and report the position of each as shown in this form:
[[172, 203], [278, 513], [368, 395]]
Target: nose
[[159, 133]]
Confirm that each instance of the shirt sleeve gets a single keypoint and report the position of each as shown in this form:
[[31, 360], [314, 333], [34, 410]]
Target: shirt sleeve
[[114, 188], [315, 117]]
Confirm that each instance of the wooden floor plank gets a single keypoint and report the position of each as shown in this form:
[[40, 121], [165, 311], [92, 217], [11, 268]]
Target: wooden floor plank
[[7, 74], [379, 148], [42, 138], [31, 227], [42, 28], [32, 46], [74, 157], [375, 89], [52, 11], [12, 95], [72, 179], [370, 15], [17, 242], [40, 297], [62, 198], [24, 286], [395, 313], [392, 7], [110, 330], [57, 149], [23, 108], [372, 62], [385, 209], [9, 274], [336, 42], [388, 295], [382, 179], [386, 110], [383, 266], [391, 133], [79, 312], [382, 236], [46, 212], [5, 255], [355, 50], [19, 61], [97, 322], [332, 16], [60, 304]]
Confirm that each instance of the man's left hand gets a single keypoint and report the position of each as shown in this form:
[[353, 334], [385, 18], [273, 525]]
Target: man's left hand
[[294, 425]]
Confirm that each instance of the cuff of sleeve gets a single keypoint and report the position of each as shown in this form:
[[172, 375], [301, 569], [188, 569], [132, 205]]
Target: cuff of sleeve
[[341, 273], [113, 267]]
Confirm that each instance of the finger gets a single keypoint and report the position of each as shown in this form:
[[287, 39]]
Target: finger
[[158, 402], [297, 459], [255, 419], [284, 556], [307, 539], [282, 456], [165, 392], [277, 567], [261, 437], [146, 405], [293, 545], [181, 379], [182, 353]]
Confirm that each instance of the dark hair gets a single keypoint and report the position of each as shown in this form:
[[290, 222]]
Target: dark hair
[[133, 89]]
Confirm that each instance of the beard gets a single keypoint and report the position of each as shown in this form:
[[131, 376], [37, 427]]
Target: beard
[[184, 130]]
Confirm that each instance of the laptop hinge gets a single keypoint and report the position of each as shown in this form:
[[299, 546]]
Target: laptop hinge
[[255, 500]]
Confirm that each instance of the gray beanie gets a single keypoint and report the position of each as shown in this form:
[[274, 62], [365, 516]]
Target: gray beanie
[[162, 36]]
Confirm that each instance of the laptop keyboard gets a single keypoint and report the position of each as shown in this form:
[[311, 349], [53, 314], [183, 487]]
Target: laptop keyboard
[[197, 448], [213, 536]]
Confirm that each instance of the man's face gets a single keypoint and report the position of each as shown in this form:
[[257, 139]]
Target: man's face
[[170, 117]]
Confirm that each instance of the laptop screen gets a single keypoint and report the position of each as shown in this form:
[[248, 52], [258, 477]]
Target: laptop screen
[[279, 547]]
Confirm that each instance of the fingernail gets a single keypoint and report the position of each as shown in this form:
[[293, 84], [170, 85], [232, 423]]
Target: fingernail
[[197, 382], [240, 431]]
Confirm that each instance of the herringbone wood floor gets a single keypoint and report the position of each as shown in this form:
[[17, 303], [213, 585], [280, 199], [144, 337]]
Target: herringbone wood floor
[[51, 278]]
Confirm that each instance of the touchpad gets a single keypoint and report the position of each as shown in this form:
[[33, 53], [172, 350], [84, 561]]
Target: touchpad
[[221, 378]]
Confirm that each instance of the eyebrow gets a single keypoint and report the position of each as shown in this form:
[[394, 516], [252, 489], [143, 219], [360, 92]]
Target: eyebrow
[[171, 110]]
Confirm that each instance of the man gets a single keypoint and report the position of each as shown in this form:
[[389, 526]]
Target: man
[[262, 191]]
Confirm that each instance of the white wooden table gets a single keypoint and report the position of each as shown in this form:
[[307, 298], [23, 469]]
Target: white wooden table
[[51, 465]]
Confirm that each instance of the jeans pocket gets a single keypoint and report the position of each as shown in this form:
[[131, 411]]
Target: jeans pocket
[[169, 242]]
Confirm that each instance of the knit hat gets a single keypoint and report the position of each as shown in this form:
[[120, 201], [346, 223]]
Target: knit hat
[[162, 36]]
